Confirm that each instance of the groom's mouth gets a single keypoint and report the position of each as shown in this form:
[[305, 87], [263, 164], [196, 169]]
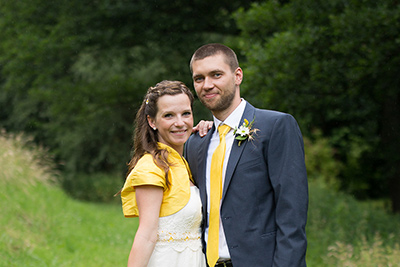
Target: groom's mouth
[[210, 95]]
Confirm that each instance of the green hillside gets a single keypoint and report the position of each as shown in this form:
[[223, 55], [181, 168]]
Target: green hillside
[[42, 226]]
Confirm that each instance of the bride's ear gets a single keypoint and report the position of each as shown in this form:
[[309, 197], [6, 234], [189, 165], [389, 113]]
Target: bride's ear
[[151, 122]]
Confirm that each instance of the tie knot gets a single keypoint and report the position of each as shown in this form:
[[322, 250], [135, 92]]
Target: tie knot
[[223, 130]]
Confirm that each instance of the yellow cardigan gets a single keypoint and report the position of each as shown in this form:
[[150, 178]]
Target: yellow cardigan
[[146, 172]]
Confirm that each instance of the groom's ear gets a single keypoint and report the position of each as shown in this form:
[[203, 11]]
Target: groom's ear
[[238, 76]]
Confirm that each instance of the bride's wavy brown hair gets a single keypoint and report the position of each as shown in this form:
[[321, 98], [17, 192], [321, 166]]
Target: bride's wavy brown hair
[[145, 138]]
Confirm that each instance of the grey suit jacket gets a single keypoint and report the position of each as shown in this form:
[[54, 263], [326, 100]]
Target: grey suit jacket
[[265, 195]]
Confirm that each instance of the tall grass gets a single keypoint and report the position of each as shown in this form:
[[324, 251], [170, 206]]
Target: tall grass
[[43, 226], [345, 232]]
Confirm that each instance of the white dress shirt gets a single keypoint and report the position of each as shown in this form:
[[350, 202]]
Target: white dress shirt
[[232, 121]]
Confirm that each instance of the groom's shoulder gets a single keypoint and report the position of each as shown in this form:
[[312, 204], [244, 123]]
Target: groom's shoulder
[[267, 118], [192, 146], [195, 140], [264, 112], [267, 114]]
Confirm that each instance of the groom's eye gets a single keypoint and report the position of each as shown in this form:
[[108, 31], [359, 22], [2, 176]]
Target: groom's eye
[[198, 79]]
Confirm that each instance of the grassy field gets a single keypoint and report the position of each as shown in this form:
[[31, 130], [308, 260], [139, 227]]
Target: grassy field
[[42, 226], [344, 232]]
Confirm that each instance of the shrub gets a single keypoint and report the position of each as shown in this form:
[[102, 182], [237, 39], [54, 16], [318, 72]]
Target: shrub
[[97, 187], [320, 160]]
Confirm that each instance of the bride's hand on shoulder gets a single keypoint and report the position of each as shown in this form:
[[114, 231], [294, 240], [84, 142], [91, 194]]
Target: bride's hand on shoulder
[[203, 127]]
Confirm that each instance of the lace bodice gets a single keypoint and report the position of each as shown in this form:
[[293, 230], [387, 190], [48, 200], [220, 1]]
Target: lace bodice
[[182, 229]]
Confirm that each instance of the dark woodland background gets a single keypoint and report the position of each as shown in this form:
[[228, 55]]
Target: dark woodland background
[[73, 73]]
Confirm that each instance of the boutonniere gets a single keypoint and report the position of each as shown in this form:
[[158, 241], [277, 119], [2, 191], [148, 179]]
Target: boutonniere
[[245, 131]]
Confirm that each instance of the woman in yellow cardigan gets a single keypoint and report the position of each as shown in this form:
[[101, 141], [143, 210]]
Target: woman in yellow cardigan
[[159, 187]]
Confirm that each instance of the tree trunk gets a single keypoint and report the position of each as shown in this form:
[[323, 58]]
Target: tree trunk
[[391, 146]]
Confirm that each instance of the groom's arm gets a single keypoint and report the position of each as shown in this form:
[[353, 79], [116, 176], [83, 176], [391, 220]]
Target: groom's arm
[[289, 178]]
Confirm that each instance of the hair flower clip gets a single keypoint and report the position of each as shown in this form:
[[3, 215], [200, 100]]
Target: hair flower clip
[[245, 131], [147, 101]]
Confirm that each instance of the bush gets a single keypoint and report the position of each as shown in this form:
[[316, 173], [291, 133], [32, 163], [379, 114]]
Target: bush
[[96, 187], [34, 162], [320, 160]]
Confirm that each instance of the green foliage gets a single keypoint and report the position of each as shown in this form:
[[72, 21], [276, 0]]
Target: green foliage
[[334, 65], [364, 254], [342, 230], [95, 187], [73, 73], [320, 160], [42, 226]]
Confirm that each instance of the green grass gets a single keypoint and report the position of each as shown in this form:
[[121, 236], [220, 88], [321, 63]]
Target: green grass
[[342, 231], [43, 226]]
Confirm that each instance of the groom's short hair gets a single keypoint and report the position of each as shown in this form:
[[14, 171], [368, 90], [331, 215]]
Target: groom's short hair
[[215, 49]]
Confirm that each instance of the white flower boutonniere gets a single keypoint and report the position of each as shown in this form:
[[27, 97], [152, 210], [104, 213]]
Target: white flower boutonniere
[[245, 131]]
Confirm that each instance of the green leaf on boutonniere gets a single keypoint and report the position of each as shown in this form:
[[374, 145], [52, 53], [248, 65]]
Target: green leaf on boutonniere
[[245, 131]]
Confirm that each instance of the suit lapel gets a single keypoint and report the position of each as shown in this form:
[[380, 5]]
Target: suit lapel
[[236, 151]]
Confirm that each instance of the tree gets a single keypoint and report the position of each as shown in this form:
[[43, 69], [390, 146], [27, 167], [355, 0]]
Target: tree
[[73, 73], [334, 65]]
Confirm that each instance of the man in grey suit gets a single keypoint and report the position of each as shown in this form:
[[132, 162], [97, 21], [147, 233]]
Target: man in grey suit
[[264, 192]]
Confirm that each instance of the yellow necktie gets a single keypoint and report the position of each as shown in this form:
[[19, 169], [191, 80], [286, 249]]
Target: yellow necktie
[[217, 162]]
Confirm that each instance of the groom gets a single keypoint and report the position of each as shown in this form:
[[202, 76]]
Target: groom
[[254, 191]]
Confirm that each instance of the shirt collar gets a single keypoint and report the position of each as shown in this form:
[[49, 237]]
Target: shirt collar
[[233, 119]]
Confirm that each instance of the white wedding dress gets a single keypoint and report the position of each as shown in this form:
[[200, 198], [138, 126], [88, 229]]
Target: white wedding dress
[[179, 237]]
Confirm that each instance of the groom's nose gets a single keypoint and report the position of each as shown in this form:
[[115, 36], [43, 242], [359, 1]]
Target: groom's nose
[[208, 83]]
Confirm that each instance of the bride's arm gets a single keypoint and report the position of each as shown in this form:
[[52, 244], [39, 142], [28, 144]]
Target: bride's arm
[[149, 200]]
